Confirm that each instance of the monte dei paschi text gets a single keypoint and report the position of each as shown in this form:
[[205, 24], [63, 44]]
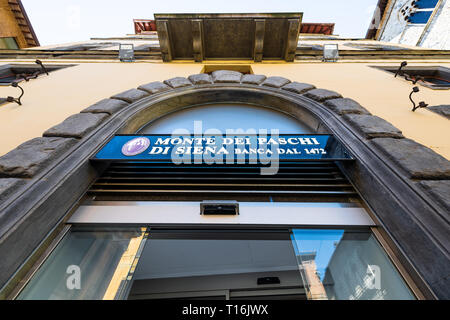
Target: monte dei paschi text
[[236, 145]]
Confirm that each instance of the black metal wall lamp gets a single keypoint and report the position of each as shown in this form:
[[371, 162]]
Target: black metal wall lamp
[[415, 89], [34, 75], [14, 84], [399, 71], [44, 70], [27, 78], [407, 77], [422, 104]]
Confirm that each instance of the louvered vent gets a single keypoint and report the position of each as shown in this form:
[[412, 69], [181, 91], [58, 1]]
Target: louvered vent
[[299, 181]]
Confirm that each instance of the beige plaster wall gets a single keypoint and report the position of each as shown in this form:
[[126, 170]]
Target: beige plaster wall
[[379, 92], [50, 99]]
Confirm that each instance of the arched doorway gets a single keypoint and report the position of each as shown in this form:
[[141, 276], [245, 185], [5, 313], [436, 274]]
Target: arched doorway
[[292, 246]]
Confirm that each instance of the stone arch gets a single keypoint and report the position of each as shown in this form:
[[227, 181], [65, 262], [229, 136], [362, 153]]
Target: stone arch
[[42, 180]]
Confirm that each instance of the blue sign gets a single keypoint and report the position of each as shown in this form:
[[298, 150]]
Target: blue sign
[[222, 149]]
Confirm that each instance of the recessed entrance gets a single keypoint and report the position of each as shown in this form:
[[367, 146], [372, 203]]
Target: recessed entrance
[[217, 263], [149, 250]]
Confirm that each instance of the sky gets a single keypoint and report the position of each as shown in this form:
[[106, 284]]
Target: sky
[[62, 21]]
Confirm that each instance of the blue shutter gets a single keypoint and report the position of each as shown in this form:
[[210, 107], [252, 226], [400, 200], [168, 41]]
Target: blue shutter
[[420, 17], [426, 4]]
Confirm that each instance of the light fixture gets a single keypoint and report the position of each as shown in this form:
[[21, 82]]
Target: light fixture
[[44, 70], [27, 77], [34, 75], [126, 52], [422, 104], [413, 79], [16, 100], [330, 52], [399, 71]]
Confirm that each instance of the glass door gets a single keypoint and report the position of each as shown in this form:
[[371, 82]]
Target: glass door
[[217, 264], [88, 264], [346, 265], [134, 263]]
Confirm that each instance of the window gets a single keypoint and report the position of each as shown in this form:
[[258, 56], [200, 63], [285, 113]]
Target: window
[[297, 181], [426, 4], [433, 77], [420, 17], [298, 264], [224, 117], [219, 264], [91, 264], [418, 11], [19, 72], [8, 43], [346, 265]]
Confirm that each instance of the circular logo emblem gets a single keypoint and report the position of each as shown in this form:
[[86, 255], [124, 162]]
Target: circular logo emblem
[[135, 146]]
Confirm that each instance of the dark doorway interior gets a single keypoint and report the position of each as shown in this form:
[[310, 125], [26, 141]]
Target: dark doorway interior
[[218, 265]]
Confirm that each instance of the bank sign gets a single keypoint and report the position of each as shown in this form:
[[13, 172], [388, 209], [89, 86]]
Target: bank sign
[[222, 149]]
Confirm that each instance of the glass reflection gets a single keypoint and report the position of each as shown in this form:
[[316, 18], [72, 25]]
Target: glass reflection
[[88, 264], [226, 117], [346, 265]]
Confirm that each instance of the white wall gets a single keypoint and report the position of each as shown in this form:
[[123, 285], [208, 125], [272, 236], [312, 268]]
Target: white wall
[[436, 36]]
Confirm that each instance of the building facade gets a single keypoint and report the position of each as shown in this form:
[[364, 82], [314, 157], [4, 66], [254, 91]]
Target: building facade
[[422, 23], [137, 167], [16, 30]]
